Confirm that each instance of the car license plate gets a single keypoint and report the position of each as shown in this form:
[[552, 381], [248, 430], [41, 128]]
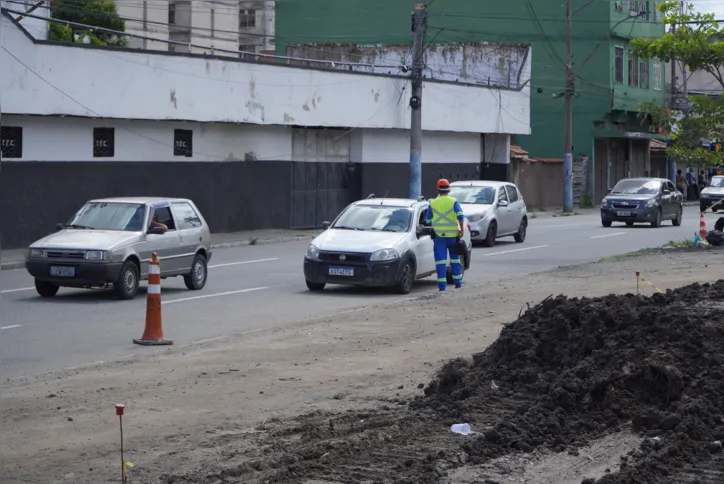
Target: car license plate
[[62, 271], [341, 271], [623, 214]]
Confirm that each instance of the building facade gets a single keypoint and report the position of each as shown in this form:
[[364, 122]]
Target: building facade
[[221, 28], [255, 145], [610, 81]]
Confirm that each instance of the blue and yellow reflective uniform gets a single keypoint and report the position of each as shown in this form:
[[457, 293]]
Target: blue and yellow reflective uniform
[[443, 216]]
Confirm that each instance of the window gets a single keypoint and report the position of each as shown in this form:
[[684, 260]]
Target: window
[[110, 216], [477, 195], [657, 14], [502, 196], [11, 141], [512, 193], [163, 215], [382, 218], [247, 19], [172, 14], [186, 216], [644, 73], [183, 142], [618, 65], [103, 142], [633, 71], [657, 75]]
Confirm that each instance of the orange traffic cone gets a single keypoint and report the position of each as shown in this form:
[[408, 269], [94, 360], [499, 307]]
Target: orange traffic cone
[[702, 227], [153, 334]]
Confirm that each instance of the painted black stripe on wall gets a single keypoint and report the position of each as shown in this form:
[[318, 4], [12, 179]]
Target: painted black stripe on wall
[[381, 178], [232, 196]]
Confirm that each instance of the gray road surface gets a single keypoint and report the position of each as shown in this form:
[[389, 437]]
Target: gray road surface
[[258, 287]]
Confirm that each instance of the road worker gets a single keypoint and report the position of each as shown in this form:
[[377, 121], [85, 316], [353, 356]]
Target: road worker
[[446, 218]]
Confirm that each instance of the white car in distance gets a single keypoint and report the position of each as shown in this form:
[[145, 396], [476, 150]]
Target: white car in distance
[[494, 209], [376, 242]]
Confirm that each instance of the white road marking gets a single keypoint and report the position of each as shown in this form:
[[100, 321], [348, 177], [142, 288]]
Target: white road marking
[[608, 235], [243, 262], [11, 326], [218, 294], [8, 291], [515, 250]]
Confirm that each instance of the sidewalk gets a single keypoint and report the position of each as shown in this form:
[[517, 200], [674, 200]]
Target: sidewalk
[[15, 259]]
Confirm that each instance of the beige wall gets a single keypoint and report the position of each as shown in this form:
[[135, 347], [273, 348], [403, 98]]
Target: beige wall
[[541, 184]]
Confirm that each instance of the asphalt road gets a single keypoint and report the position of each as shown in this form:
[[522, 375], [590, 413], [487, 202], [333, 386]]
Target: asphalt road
[[258, 287]]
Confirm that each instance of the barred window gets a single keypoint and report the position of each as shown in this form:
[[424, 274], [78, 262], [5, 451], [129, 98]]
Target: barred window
[[104, 142], [11, 141], [183, 142]]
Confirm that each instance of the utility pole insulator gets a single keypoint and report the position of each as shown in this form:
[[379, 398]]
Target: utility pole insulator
[[419, 27]]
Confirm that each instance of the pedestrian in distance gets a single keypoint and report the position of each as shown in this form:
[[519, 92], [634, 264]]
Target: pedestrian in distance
[[446, 218]]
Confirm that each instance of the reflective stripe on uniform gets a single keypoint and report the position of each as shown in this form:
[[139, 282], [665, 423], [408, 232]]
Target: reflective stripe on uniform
[[439, 262], [443, 220], [457, 277], [455, 261], [441, 279]]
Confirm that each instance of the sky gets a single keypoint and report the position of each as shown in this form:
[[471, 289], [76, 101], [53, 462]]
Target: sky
[[715, 6]]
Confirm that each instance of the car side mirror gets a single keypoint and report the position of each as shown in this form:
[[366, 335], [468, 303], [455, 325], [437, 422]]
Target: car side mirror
[[156, 230], [326, 225], [502, 203], [423, 231]]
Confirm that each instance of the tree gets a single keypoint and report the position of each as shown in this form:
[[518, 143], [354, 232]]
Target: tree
[[98, 13], [697, 44]]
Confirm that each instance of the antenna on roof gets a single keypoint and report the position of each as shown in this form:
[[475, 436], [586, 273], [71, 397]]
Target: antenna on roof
[[384, 196], [371, 195]]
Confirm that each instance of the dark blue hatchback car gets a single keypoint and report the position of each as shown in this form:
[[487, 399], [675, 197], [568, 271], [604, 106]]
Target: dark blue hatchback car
[[642, 200]]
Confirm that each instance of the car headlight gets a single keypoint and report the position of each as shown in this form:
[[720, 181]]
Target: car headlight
[[650, 202], [604, 203], [95, 254], [37, 253], [476, 218], [312, 252], [384, 254]]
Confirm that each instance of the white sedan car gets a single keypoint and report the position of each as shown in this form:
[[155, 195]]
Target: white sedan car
[[376, 242], [494, 209]]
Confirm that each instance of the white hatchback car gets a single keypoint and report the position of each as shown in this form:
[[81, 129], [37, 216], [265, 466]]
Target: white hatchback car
[[494, 209], [376, 242]]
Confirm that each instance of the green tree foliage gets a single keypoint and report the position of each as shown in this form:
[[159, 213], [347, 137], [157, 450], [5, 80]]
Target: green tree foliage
[[98, 13], [697, 44]]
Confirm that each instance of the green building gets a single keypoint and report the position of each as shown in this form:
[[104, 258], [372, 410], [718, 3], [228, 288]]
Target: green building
[[609, 139]]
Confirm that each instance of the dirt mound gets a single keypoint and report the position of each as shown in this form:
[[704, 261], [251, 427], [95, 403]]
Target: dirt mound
[[569, 370]]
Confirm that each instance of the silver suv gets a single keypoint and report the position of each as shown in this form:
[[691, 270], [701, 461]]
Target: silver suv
[[109, 243]]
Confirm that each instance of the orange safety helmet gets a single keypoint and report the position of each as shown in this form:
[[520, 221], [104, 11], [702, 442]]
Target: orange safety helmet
[[443, 185]]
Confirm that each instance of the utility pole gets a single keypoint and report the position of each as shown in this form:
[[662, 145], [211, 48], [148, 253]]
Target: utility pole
[[672, 105], [568, 122], [419, 26]]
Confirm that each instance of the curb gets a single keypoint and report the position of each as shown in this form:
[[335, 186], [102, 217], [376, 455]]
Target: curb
[[9, 266]]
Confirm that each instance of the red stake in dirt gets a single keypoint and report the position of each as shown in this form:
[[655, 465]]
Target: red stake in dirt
[[119, 412], [638, 277]]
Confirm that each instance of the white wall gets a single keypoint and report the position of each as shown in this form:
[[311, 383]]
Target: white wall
[[71, 139], [138, 85], [393, 146]]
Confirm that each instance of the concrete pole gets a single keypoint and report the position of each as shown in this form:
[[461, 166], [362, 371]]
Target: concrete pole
[[672, 103], [419, 25], [568, 123]]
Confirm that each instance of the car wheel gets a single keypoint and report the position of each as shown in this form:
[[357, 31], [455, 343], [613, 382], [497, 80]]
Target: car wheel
[[629, 223], [522, 231], [126, 287], [407, 277], [315, 286], [657, 221], [679, 216], [491, 235], [196, 279], [46, 289], [449, 275], [606, 223]]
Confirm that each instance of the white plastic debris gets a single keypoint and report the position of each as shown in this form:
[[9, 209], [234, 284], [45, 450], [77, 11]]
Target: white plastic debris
[[462, 429]]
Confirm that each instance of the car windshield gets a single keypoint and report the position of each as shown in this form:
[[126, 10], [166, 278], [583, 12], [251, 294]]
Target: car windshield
[[479, 195], [375, 217], [109, 216], [717, 181], [636, 187]]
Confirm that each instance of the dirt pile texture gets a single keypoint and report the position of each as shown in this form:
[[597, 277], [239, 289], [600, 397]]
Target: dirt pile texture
[[571, 370], [567, 372]]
